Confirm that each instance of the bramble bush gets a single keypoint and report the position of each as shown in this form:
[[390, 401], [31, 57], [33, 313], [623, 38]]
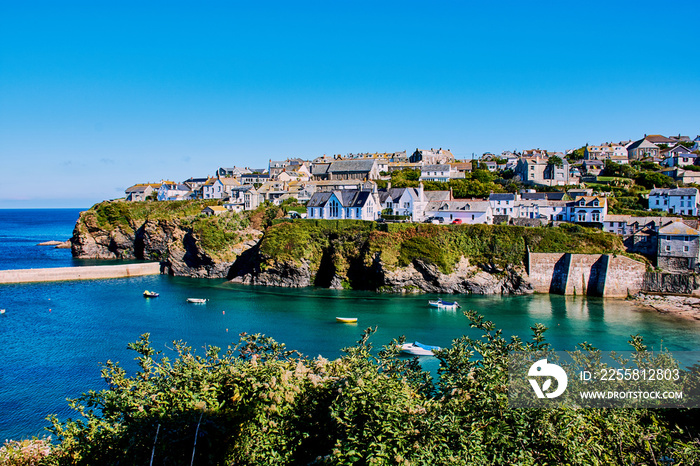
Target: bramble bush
[[259, 403]]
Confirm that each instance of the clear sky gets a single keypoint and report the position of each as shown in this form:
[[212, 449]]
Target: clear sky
[[97, 96]]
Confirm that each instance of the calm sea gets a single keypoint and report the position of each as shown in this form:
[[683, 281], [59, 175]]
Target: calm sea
[[55, 335]]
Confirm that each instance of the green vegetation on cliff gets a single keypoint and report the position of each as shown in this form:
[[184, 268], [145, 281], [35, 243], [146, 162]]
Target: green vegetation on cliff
[[111, 214], [400, 244]]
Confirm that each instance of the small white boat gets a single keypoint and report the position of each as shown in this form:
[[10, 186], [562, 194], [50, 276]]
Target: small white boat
[[440, 304], [2, 311], [419, 349], [346, 320], [196, 300]]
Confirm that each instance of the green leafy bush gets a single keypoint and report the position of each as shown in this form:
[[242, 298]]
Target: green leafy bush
[[258, 403]]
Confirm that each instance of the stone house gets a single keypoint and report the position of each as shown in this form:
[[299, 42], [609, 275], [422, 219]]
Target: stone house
[[360, 169], [432, 156], [678, 247], [214, 210], [140, 192], [643, 149]]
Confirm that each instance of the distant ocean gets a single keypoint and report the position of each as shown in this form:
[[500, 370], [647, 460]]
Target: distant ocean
[[22, 229]]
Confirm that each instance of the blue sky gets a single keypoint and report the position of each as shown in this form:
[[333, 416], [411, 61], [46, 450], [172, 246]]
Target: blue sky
[[97, 96]]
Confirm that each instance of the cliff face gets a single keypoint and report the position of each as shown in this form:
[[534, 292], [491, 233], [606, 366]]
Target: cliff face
[[418, 276], [351, 259], [173, 242]]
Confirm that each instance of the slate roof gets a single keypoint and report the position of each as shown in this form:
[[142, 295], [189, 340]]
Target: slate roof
[[459, 205], [138, 188], [678, 228], [501, 197], [347, 198], [432, 196], [673, 192], [442, 167], [359, 165]]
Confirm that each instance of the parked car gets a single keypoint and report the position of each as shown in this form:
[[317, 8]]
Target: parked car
[[457, 221], [435, 220]]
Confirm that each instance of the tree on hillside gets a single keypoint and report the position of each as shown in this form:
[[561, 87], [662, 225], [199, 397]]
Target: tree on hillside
[[576, 155], [556, 161]]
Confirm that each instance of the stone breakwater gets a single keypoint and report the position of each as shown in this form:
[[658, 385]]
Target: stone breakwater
[[79, 273]]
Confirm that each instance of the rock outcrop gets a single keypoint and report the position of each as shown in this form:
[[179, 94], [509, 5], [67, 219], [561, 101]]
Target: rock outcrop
[[170, 241], [418, 276]]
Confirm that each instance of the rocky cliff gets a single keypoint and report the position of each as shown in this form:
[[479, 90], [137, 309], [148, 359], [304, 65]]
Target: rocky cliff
[[178, 243]]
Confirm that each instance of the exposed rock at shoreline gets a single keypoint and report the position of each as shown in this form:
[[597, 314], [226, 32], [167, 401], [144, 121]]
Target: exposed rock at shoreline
[[681, 306], [170, 241], [417, 277]]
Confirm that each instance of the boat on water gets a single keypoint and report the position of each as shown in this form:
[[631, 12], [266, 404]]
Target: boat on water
[[346, 320], [440, 304], [150, 294], [196, 300], [2, 311], [419, 349]]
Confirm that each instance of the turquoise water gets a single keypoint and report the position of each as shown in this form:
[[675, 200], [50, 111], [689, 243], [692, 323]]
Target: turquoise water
[[54, 335]]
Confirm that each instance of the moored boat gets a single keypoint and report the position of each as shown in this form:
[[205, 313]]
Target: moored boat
[[440, 304], [419, 349], [346, 320], [150, 294], [196, 300]]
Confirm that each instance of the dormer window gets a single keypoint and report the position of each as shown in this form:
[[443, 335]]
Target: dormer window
[[582, 202], [596, 203]]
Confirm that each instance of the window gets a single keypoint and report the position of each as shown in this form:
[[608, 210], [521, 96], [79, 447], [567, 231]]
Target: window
[[595, 217], [686, 248], [333, 208], [668, 247], [581, 217]]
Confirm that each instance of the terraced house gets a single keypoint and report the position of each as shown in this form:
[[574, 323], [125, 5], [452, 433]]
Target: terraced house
[[588, 209], [683, 201]]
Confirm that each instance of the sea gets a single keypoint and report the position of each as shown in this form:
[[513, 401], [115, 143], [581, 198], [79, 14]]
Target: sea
[[55, 336]]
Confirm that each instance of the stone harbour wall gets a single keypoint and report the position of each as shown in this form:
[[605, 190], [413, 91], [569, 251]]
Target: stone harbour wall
[[79, 273], [585, 274]]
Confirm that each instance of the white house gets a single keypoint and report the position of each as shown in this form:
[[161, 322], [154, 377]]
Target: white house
[[588, 209], [467, 210], [503, 203], [345, 204], [681, 201], [439, 172], [543, 209], [170, 191]]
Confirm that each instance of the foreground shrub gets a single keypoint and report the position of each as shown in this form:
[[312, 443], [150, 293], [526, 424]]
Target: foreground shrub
[[258, 403]]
